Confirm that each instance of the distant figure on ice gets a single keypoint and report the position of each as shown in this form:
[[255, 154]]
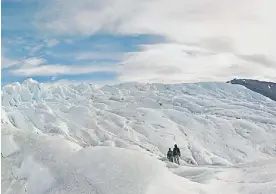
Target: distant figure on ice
[[170, 155], [176, 154]]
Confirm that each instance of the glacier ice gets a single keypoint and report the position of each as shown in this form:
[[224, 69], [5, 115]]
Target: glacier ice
[[113, 139]]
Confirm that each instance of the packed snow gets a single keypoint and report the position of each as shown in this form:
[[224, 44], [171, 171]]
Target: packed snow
[[114, 139]]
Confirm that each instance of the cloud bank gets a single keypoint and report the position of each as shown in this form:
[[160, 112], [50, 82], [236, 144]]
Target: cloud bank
[[206, 40]]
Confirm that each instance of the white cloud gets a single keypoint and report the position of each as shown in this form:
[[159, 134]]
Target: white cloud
[[98, 55], [52, 42], [28, 62], [89, 55], [96, 83], [54, 70], [229, 29], [246, 24], [172, 63], [68, 41], [7, 63], [25, 63], [34, 49], [33, 61]]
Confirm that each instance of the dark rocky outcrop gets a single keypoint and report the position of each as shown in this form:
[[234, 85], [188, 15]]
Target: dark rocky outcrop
[[267, 89]]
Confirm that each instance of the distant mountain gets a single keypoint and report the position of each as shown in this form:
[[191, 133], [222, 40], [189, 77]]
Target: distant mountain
[[267, 89]]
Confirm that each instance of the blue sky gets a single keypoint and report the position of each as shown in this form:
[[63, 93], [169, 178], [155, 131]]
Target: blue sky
[[119, 41], [21, 41]]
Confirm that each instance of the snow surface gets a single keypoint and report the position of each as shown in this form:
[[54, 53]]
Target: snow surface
[[114, 139]]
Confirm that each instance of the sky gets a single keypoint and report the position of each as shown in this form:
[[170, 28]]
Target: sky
[[113, 41]]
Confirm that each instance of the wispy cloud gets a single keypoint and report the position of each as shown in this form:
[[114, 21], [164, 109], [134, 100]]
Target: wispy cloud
[[261, 59], [33, 49], [248, 24], [172, 63], [8, 63], [201, 40], [52, 42], [33, 61], [96, 83], [234, 31], [21, 63], [98, 55], [54, 70]]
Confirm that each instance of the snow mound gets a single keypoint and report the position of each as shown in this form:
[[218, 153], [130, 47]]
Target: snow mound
[[52, 165], [117, 170]]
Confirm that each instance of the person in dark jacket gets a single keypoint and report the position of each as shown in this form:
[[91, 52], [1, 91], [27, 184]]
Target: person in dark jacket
[[170, 155], [176, 154]]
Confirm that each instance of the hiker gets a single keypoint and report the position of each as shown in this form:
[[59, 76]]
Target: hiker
[[176, 154], [170, 155]]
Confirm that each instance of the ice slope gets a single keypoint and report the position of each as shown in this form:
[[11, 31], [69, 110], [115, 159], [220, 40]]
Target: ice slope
[[113, 139]]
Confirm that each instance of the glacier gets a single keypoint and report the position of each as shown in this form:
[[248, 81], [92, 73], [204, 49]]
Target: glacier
[[80, 138]]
